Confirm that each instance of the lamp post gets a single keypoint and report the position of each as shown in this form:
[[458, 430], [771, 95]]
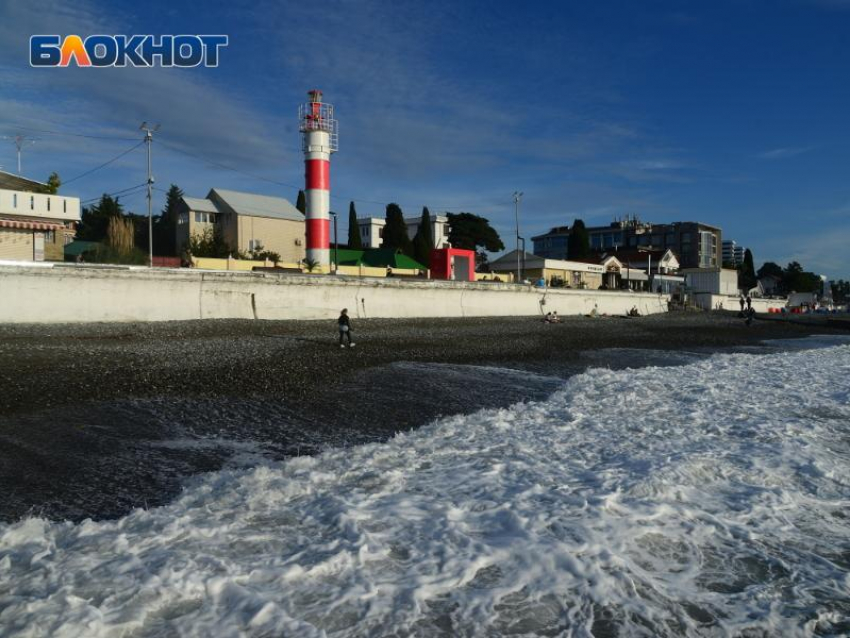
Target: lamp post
[[336, 243], [517, 197], [521, 241]]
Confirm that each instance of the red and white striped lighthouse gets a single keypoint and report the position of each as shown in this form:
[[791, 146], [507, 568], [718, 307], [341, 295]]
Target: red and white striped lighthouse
[[319, 138]]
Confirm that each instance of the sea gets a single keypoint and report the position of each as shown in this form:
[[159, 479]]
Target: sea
[[670, 495]]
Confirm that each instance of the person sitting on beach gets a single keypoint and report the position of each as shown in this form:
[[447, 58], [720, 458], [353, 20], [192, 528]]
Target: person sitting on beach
[[547, 318], [344, 324], [555, 317]]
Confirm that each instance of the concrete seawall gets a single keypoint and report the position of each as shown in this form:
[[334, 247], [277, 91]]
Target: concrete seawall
[[69, 293]]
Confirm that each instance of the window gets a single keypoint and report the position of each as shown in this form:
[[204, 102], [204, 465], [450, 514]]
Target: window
[[50, 235], [64, 205], [15, 200], [254, 244], [381, 233], [32, 202], [48, 204]]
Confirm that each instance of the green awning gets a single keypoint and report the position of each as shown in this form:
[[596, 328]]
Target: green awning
[[78, 247]]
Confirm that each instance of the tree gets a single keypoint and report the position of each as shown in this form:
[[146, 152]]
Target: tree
[[769, 268], [798, 280], [355, 242], [841, 291], [395, 231], [94, 220], [423, 241], [165, 225], [747, 272], [578, 243], [53, 183], [209, 243], [470, 232], [301, 202]]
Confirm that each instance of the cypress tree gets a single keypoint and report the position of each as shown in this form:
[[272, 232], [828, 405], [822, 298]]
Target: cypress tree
[[395, 231], [748, 271], [578, 243], [423, 242], [301, 202], [165, 226], [354, 240]]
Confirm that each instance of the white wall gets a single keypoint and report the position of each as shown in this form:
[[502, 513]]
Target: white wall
[[39, 205], [68, 293], [708, 301], [717, 282]]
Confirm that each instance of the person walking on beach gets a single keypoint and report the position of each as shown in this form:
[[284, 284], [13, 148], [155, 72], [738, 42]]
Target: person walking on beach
[[344, 324], [741, 301], [749, 303]]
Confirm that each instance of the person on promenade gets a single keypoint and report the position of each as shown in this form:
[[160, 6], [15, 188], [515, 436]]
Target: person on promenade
[[749, 303], [741, 301], [344, 324]]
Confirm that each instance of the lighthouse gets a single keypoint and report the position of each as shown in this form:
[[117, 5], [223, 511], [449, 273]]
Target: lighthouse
[[319, 138]]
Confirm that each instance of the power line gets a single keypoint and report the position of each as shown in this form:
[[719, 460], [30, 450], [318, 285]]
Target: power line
[[225, 167], [91, 137], [104, 165], [125, 191], [344, 198]]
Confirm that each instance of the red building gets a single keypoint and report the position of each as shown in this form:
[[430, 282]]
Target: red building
[[455, 264]]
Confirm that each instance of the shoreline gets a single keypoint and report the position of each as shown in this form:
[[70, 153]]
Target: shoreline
[[99, 419]]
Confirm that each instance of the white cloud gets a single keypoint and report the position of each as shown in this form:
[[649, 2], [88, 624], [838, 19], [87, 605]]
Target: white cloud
[[194, 111], [784, 153]]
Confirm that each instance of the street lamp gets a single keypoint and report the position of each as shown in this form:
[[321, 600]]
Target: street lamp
[[521, 241], [517, 196], [336, 244]]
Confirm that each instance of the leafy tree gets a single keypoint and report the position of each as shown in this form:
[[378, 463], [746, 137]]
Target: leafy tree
[[798, 280], [841, 291], [471, 232], [395, 231], [53, 183], [747, 273], [578, 243], [301, 202], [94, 220], [770, 268], [209, 243], [355, 242], [260, 254], [165, 225], [423, 241]]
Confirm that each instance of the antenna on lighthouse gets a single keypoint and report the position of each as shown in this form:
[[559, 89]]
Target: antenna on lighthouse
[[319, 138]]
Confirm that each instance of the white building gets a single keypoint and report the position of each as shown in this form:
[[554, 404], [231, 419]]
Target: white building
[[34, 224], [718, 281], [372, 230], [733, 253]]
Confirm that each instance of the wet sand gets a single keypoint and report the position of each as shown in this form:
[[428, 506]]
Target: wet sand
[[97, 419]]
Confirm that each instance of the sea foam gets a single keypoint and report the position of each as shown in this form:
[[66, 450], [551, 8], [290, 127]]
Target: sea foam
[[711, 499]]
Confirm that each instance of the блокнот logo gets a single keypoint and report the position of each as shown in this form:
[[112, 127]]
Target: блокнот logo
[[122, 50]]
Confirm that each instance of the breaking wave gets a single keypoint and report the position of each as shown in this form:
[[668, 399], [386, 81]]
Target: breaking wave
[[711, 499]]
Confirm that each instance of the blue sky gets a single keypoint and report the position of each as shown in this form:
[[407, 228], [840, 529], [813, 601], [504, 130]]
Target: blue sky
[[731, 112]]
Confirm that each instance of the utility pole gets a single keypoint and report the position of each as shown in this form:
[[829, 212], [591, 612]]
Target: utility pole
[[20, 141], [149, 131], [517, 196]]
